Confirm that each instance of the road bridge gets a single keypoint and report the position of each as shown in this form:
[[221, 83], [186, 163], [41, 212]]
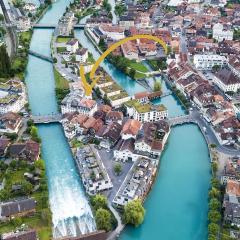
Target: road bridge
[[51, 118]]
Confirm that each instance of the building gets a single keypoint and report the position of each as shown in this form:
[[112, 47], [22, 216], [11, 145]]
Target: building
[[82, 55], [4, 144], [112, 31], [94, 175], [126, 21], [72, 45], [130, 129], [208, 61], [12, 96], [29, 151], [30, 7], [130, 50], [145, 112], [18, 207], [20, 235], [221, 32], [226, 80], [152, 138], [137, 184], [66, 24], [74, 102], [10, 122], [23, 23]]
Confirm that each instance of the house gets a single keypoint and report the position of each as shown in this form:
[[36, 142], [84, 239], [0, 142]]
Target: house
[[82, 55], [126, 21], [23, 23], [222, 32], [72, 45], [10, 122], [142, 97], [4, 144], [130, 50], [29, 151], [18, 207], [109, 134], [124, 150], [114, 32], [152, 138], [75, 103], [234, 64], [226, 80], [208, 61], [145, 112], [20, 235], [12, 96], [130, 129], [114, 116]]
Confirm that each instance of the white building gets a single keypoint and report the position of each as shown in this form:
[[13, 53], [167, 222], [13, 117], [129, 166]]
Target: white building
[[23, 23], [114, 32], [72, 45], [227, 80], [12, 96], [207, 61], [146, 112], [220, 33], [82, 55], [30, 7], [74, 102]]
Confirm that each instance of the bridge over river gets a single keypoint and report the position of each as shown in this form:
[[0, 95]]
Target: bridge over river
[[51, 118]]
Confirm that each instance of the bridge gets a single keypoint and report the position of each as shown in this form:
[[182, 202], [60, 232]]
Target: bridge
[[41, 25], [80, 25], [167, 93], [181, 120], [51, 118], [39, 55]]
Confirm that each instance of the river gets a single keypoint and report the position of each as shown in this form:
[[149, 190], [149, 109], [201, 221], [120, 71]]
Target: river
[[179, 198], [71, 213]]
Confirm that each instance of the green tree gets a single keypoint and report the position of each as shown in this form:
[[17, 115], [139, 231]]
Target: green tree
[[4, 195], [214, 167], [103, 219], [214, 193], [213, 229], [120, 9], [5, 65], [214, 216], [99, 201], [214, 204], [215, 183], [1, 17], [118, 168], [132, 73], [40, 164], [134, 213], [27, 187], [211, 237], [157, 86]]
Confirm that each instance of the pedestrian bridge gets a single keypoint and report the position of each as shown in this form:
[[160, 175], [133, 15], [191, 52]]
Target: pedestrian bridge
[[41, 25], [181, 120], [39, 55], [51, 118]]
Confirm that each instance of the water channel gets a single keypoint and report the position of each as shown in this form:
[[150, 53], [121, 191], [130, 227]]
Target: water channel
[[177, 206]]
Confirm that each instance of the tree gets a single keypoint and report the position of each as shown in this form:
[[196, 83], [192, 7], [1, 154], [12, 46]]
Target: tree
[[103, 219], [132, 73], [213, 229], [27, 187], [34, 134], [118, 168], [214, 167], [212, 237], [1, 17], [157, 86], [5, 65], [214, 193], [134, 213], [120, 9], [214, 204], [40, 164], [215, 183], [99, 201], [214, 216]]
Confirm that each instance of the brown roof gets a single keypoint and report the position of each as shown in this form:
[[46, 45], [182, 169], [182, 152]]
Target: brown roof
[[114, 116], [227, 76], [131, 127]]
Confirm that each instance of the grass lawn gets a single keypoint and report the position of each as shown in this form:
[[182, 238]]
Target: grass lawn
[[138, 66], [76, 144], [63, 39], [60, 81], [139, 75], [61, 49]]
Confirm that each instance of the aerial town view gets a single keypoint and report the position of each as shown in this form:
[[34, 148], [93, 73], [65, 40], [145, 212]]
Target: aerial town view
[[119, 119]]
